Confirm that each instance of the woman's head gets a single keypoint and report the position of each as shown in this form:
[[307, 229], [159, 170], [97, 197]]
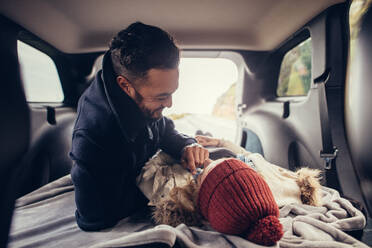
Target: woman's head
[[231, 196], [179, 206], [236, 200]]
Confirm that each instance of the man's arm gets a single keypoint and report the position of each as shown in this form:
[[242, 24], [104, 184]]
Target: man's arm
[[104, 192], [91, 214], [173, 142]]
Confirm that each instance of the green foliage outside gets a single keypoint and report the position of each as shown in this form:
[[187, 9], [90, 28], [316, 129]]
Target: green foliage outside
[[295, 71]]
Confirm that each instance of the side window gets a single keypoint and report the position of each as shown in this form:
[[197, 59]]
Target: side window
[[39, 75], [295, 71]]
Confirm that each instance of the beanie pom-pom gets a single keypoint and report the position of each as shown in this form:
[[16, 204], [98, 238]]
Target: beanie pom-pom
[[267, 231]]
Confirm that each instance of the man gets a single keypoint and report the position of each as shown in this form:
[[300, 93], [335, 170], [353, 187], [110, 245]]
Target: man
[[120, 126]]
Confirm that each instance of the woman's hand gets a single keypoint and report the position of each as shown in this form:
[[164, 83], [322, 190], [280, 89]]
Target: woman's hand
[[207, 141]]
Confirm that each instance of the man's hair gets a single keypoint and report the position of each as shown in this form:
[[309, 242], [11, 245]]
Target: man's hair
[[141, 47]]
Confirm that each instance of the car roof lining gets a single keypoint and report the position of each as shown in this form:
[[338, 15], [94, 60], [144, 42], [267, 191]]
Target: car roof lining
[[88, 25]]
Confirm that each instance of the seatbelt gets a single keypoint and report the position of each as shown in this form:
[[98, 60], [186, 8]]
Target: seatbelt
[[329, 151]]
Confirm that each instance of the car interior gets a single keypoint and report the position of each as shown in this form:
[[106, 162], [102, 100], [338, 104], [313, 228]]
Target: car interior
[[324, 124]]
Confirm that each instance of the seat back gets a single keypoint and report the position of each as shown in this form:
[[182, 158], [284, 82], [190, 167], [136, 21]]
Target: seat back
[[14, 127], [48, 159]]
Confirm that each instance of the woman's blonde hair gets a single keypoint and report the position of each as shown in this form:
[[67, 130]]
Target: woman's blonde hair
[[179, 206]]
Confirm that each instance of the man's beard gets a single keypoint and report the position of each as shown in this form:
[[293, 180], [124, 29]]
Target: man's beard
[[148, 113]]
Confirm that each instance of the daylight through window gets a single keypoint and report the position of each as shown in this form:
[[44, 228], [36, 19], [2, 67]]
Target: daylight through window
[[39, 75]]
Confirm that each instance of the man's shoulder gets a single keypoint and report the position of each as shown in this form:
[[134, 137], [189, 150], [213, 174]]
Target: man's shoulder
[[94, 113]]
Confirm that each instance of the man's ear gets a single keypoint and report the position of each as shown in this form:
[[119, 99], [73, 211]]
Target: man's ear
[[125, 85]]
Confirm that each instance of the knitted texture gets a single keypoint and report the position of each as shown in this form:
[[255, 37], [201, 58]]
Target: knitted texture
[[236, 200]]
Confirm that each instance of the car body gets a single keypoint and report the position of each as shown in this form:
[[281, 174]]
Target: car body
[[289, 129]]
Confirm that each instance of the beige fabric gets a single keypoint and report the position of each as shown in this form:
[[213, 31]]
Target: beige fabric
[[282, 182], [45, 218]]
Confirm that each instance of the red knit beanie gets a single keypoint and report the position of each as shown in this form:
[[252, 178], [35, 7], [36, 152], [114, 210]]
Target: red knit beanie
[[236, 200]]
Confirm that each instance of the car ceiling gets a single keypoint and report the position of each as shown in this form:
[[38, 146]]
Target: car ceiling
[[88, 25]]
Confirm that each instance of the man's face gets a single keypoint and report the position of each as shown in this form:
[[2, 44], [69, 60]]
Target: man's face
[[156, 91]]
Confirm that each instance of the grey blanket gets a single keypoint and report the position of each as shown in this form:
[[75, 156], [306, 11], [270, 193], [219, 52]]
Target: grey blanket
[[45, 218]]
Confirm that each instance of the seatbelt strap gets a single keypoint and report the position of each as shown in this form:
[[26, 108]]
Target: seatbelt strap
[[329, 151]]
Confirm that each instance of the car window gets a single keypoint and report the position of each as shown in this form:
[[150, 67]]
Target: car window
[[205, 98], [39, 75], [295, 71]]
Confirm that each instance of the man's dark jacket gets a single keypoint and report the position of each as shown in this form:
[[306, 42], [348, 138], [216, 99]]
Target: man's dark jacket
[[111, 142]]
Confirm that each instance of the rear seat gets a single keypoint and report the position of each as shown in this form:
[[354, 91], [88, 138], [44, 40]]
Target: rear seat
[[51, 130], [47, 158]]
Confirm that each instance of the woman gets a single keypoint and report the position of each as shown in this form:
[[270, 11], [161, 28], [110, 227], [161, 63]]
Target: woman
[[231, 196], [178, 198], [162, 173]]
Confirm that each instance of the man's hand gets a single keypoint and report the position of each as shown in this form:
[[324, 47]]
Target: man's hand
[[194, 156], [207, 141]]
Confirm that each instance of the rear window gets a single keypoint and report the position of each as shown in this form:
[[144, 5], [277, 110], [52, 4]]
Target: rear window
[[295, 71], [205, 99], [39, 75]]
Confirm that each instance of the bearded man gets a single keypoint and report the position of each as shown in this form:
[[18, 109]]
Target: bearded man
[[120, 126]]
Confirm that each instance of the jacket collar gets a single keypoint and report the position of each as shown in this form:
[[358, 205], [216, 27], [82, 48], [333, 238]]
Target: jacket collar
[[126, 111]]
